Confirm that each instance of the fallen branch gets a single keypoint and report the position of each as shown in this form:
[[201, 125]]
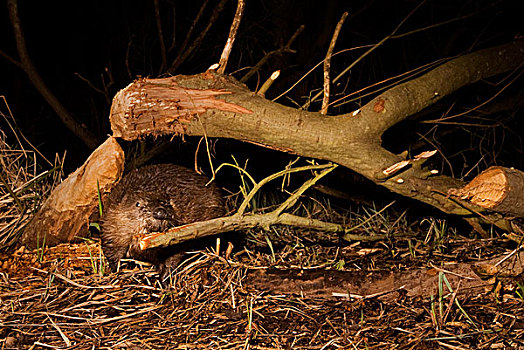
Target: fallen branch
[[170, 106]]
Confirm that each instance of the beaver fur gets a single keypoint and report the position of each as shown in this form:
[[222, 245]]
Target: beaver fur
[[152, 199]]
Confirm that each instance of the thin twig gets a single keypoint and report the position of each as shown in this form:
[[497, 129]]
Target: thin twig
[[192, 28], [11, 59], [440, 120], [257, 187], [231, 38], [173, 39], [373, 48], [402, 77], [327, 63], [294, 197], [315, 67]]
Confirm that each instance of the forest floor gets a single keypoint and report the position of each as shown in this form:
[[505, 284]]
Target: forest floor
[[426, 287]]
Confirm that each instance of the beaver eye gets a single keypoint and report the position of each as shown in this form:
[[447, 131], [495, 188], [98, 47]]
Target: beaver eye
[[138, 205]]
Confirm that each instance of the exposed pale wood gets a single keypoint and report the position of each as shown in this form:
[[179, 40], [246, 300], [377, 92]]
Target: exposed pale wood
[[496, 188], [162, 106], [65, 214]]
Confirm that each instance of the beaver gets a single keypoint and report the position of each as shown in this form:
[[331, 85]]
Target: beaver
[[155, 198]]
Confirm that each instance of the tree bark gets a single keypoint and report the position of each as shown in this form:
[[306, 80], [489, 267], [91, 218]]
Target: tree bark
[[218, 106]]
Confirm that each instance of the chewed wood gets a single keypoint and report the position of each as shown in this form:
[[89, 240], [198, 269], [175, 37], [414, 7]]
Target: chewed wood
[[162, 106]]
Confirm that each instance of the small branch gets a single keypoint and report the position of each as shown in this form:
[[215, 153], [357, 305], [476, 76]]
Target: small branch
[[268, 83], [90, 84], [173, 39], [231, 38], [160, 36], [192, 28], [11, 59], [238, 222], [327, 63]]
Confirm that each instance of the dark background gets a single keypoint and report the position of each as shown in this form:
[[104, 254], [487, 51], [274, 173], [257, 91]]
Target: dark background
[[117, 41]]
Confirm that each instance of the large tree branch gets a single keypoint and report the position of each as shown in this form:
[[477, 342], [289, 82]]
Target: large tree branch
[[404, 100], [218, 106]]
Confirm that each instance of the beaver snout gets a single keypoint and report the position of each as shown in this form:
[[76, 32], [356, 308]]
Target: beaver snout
[[155, 198]]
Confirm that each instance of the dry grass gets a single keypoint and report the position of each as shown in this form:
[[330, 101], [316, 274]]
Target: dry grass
[[23, 183], [213, 303]]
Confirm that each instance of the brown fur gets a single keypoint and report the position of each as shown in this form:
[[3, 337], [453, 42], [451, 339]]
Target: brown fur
[[151, 199]]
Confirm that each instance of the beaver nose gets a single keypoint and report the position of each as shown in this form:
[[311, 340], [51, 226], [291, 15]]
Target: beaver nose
[[160, 214]]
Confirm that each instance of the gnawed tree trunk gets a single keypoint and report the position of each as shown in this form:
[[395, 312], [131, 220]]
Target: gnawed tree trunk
[[496, 188], [64, 216], [218, 106]]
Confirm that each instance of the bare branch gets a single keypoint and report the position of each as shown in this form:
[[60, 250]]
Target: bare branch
[[327, 63], [263, 60], [231, 38], [11, 59]]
